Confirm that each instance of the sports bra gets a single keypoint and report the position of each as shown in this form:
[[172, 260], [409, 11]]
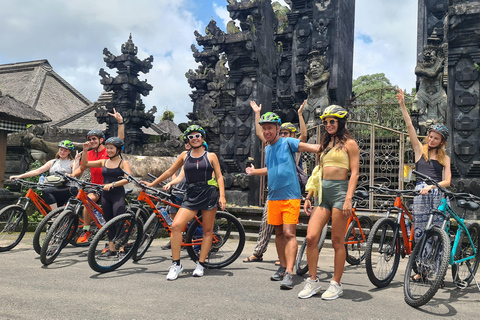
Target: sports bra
[[336, 157], [431, 168]]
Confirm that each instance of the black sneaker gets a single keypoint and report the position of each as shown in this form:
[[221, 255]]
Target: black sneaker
[[278, 276], [168, 246]]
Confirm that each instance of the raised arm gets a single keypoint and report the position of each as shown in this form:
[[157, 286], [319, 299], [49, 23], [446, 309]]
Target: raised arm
[[301, 121], [258, 128], [121, 125], [416, 144], [85, 163]]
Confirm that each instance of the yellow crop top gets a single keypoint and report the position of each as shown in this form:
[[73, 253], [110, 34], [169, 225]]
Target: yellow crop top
[[336, 158]]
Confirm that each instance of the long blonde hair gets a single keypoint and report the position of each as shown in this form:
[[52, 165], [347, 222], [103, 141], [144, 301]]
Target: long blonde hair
[[441, 154]]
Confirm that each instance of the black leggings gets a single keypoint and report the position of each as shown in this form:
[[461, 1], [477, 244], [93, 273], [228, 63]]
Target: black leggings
[[113, 204], [59, 196]]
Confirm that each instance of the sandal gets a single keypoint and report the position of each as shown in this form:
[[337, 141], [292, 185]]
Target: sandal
[[277, 263], [253, 258]]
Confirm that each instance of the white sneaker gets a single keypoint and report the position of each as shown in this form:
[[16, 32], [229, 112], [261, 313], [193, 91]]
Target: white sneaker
[[198, 272], [333, 292], [311, 288], [174, 271]]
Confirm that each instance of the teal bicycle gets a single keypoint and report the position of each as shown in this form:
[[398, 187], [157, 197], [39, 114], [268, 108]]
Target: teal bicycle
[[440, 247]]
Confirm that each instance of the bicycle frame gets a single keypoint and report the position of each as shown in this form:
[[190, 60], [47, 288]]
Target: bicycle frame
[[447, 212], [38, 201], [89, 204], [400, 221], [354, 216]]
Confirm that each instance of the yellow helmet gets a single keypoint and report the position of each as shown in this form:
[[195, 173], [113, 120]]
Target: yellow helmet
[[334, 111], [288, 126]]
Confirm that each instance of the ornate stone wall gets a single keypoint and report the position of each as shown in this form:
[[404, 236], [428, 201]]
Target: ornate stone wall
[[463, 90]]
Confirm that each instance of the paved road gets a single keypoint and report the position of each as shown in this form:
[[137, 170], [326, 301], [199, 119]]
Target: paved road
[[69, 289]]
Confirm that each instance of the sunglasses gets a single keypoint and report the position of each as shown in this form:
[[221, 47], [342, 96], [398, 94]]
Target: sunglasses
[[93, 139], [284, 133], [194, 136], [331, 122]]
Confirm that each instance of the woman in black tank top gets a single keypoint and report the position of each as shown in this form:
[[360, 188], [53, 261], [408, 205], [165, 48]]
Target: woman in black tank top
[[198, 165], [113, 195], [431, 160]]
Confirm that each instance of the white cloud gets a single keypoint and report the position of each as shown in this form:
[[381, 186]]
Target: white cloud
[[222, 12], [393, 29]]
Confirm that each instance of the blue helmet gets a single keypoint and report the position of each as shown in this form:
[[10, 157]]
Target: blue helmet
[[96, 132], [117, 142], [440, 129]]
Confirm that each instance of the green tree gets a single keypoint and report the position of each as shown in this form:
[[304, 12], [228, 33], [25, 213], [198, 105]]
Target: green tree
[[168, 115]]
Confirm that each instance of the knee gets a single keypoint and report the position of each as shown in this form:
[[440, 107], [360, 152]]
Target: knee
[[311, 240], [289, 235], [338, 243], [176, 227]]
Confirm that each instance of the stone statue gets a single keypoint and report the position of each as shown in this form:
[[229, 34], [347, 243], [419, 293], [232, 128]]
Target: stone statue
[[431, 100], [316, 81]]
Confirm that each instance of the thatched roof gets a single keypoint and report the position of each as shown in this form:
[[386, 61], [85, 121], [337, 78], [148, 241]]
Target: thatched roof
[[37, 85], [13, 110]]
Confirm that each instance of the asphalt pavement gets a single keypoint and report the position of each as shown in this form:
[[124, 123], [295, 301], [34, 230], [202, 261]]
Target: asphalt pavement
[[69, 289]]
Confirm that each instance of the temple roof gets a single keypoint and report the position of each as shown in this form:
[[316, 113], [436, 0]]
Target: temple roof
[[17, 111], [38, 86]]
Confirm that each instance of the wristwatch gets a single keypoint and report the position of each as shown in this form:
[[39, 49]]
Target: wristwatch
[[114, 183]]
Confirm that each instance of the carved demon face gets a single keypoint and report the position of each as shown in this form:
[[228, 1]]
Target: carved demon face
[[429, 58], [316, 69]]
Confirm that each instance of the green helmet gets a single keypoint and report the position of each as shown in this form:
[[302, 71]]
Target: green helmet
[[67, 144], [270, 117], [288, 126], [334, 111], [194, 128]]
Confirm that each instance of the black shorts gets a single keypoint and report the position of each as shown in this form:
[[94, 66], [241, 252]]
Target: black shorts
[[98, 192], [201, 197]]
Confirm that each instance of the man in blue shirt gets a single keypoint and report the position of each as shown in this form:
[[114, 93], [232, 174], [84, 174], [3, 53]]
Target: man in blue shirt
[[284, 192]]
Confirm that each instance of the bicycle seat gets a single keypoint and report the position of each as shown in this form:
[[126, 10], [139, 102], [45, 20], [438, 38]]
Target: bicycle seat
[[128, 191], [361, 194], [469, 205]]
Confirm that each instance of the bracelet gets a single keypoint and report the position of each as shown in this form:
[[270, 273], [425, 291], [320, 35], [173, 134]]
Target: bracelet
[[121, 122], [114, 183]]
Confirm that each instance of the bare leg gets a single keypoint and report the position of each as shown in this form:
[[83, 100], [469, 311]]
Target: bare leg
[[317, 222], [339, 224], [87, 218], [181, 219], [291, 245], [280, 245], [208, 220]]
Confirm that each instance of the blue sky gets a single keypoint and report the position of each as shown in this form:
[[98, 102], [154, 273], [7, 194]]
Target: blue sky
[[71, 35]]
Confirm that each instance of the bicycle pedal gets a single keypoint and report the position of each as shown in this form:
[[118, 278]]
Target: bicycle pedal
[[461, 284]]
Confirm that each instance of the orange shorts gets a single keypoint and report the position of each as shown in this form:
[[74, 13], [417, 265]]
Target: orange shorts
[[283, 211]]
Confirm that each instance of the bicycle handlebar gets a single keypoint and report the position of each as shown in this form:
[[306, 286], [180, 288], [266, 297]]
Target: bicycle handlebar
[[31, 183], [396, 191], [143, 186], [80, 182], [463, 195]]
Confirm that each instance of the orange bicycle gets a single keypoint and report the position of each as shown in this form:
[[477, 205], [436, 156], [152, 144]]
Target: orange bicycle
[[65, 227], [13, 218], [228, 232], [384, 249]]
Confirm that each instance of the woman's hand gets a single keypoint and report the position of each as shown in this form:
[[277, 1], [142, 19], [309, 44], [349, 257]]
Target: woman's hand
[[166, 187], [148, 184], [307, 207], [222, 202], [14, 177], [108, 186], [401, 97], [347, 208], [117, 116], [426, 190]]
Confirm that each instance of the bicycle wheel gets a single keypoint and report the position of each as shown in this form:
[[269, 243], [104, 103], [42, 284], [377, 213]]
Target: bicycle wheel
[[228, 242], [301, 264], [140, 211], [60, 233], [355, 250], [429, 259], [124, 231], [79, 231], [13, 225], [43, 227], [149, 231], [382, 254], [463, 272]]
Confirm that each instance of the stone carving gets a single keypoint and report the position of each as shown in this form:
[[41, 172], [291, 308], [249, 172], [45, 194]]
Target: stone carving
[[127, 89], [431, 98], [316, 81]]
